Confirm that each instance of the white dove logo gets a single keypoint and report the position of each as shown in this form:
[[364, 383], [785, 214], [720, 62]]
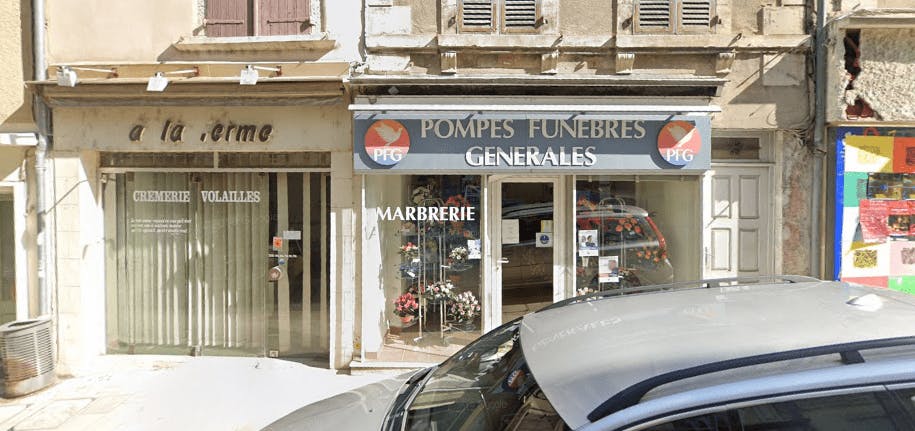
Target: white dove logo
[[387, 142], [679, 142], [388, 133]]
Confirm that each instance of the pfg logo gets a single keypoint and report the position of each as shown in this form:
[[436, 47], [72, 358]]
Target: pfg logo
[[679, 142], [387, 142]]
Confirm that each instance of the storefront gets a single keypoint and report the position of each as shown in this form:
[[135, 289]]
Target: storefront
[[874, 210], [473, 216], [220, 227]]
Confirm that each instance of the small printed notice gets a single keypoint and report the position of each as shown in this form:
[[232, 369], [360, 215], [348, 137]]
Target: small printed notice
[[161, 226], [511, 231], [277, 243], [473, 249], [292, 235], [587, 242], [608, 269], [544, 239]]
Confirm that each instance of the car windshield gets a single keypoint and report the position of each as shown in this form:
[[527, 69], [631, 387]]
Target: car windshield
[[482, 387]]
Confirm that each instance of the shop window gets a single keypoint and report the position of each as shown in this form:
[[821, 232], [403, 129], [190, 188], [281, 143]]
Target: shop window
[[7, 258], [228, 18], [633, 232], [422, 251], [504, 16], [675, 16], [218, 263]]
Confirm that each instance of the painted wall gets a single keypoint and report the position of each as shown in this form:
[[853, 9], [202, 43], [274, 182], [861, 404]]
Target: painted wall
[[145, 31], [16, 68], [887, 65]]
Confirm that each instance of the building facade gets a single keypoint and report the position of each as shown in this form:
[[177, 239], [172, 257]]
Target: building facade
[[202, 161], [515, 153], [376, 183], [870, 128]]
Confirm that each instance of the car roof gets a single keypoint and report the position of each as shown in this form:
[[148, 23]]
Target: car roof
[[585, 351]]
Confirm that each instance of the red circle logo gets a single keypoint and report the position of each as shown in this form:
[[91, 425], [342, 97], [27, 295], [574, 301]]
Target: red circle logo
[[387, 142], [679, 142]]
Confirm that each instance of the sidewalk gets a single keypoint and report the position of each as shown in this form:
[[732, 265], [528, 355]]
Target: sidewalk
[[176, 393]]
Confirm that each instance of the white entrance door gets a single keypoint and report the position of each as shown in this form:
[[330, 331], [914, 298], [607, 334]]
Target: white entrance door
[[738, 213], [526, 242]]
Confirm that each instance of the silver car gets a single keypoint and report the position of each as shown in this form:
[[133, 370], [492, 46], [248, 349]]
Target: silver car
[[776, 353]]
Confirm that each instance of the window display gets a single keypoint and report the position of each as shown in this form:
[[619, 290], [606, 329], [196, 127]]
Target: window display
[[427, 252], [619, 241]]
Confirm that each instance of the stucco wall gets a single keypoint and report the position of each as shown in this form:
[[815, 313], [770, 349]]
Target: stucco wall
[[15, 50], [98, 31], [887, 68]]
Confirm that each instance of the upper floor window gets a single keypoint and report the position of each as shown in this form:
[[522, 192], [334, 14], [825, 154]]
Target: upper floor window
[[503, 16], [674, 16], [227, 18]]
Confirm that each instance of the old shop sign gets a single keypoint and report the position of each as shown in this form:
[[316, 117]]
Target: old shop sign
[[175, 132], [530, 142]]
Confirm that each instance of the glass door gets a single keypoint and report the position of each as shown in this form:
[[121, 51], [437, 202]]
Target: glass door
[[525, 245]]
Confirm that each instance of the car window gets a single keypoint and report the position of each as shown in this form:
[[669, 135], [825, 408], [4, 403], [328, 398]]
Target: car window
[[871, 411], [482, 387], [906, 397]]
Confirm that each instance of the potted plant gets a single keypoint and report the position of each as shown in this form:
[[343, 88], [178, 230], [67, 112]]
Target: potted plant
[[439, 291], [458, 254], [406, 307], [409, 251], [463, 309]]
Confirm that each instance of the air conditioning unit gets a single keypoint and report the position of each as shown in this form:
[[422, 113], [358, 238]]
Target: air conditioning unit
[[26, 356]]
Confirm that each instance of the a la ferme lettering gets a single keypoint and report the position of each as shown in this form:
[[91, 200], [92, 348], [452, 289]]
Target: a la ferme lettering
[[220, 132]]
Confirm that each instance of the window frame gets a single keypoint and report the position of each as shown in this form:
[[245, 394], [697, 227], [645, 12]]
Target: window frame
[[675, 20], [252, 22], [497, 23]]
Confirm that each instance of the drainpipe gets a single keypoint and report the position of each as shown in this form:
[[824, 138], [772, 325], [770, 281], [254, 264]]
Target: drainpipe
[[43, 120], [818, 213]]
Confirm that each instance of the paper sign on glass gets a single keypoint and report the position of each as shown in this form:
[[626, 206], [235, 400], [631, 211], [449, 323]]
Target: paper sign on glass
[[587, 242], [544, 239], [292, 235], [511, 231], [473, 249]]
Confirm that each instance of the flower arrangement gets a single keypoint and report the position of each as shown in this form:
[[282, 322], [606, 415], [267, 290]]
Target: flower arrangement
[[406, 305], [651, 255], [584, 291], [409, 251], [464, 307], [439, 291], [583, 207], [628, 225], [459, 254]]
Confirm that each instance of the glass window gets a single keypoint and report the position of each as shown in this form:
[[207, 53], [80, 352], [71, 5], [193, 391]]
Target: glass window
[[218, 263], [422, 253], [907, 398], [633, 232], [874, 411]]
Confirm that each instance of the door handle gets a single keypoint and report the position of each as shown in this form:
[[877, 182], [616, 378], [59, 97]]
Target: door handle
[[503, 260]]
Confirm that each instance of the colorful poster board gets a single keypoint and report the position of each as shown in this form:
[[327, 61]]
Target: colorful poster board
[[875, 207]]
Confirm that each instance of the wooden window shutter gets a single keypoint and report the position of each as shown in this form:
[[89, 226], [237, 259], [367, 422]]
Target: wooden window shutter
[[521, 15], [695, 16], [477, 15], [225, 18], [653, 16], [283, 17]]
